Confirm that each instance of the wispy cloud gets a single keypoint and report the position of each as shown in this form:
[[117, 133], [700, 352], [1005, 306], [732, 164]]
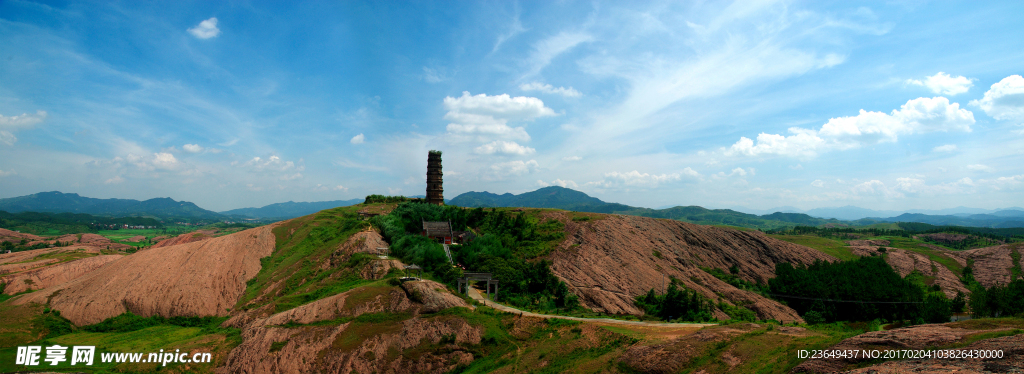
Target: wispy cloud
[[549, 89]]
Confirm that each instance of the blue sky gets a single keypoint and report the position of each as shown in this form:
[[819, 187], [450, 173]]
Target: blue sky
[[760, 104]]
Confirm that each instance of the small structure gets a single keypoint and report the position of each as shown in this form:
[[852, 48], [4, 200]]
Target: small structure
[[383, 252], [440, 231], [413, 272], [483, 277]]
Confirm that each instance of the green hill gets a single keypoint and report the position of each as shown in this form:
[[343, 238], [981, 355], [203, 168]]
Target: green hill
[[58, 202]]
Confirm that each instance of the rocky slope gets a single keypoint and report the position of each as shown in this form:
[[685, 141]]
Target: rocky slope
[[991, 264], [612, 259], [49, 276], [185, 238], [916, 337], [290, 342], [905, 262], [195, 279]]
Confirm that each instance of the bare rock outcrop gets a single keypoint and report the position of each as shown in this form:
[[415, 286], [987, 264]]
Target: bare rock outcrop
[[672, 356], [49, 276], [360, 242], [609, 261], [379, 268], [272, 345], [1012, 361], [991, 264], [917, 337], [14, 236], [136, 239], [191, 237], [203, 278], [904, 262], [432, 295]]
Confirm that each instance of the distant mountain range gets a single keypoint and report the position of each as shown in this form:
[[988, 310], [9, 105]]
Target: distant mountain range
[[290, 209], [568, 199], [57, 202], [547, 197], [564, 198]]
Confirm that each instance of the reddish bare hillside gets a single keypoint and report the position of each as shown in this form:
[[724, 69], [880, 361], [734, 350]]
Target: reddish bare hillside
[[194, 279], [355, 347], [905, 262], [185, 238], [49, 276], [917, 337], [991, 264], [609, 261], [15, 236]]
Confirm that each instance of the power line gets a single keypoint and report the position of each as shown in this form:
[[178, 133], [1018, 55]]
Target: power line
[[846, 301]]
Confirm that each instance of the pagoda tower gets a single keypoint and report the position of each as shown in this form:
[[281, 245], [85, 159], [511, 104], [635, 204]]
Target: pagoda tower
[[435, 188]]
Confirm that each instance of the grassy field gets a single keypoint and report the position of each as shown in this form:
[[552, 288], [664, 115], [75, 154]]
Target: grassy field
[[832, 247], [301, 245]]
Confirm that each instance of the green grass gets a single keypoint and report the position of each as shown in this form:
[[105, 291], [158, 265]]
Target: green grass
[[919, 247], [301, 245], [153, 339], [833, 247]]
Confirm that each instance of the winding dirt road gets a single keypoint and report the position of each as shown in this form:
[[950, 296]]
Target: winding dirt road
[[475, 295]]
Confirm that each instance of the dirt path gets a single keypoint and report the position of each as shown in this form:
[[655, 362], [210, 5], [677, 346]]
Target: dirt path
[[475, 294]]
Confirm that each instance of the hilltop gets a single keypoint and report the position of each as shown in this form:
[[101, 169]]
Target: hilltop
[[289, 209]]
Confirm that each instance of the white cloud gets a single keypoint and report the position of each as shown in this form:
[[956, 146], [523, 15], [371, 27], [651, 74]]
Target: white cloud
[[115, 180], [503, 147], [1005, 183], [206, 29], [504, 170], [980, 167], [8, 125], [945, 148], [558, 182], [818, 183], [549, 89], [192, 148], [737, 171], [572, 158], [874, 188], [1004, 100], [487, 117], [358, 139], [290, 177], [944, 84], [273, 164], [637, 179], [918, 186], [919, 115], [165, 161], [6, 173]]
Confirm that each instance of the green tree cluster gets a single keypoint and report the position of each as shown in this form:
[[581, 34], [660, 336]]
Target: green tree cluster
[[677, 304], [506, 247], [859, 290]]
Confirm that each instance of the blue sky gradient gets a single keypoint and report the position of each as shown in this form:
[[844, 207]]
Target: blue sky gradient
[[759, 104]]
